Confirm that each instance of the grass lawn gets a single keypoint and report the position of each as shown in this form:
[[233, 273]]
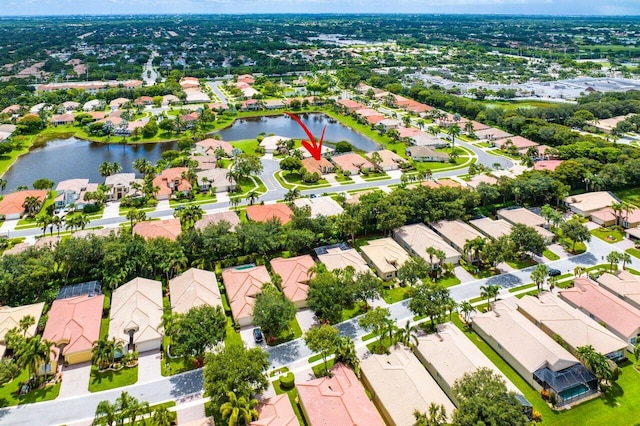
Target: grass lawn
[[204, 198], [522, 287], [396, 294], [232, 336], [293, 332], [631, 195], [380, 346], [479, 274], [633, 252], [246, 145], [521, 264], [170, 366], [617, 408], [448, 280], [319, 369], [8, 392], [550, 255], [104, 328], [112, 379], [291, 180], [358, 308], [567, 243], [610, 235]]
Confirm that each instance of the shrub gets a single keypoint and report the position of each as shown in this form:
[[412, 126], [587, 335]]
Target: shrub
[[287, 381], [90, 208], [536, 416], [553, 399]]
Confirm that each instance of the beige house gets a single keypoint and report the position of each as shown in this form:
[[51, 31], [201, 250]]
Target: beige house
[[272, 143], [418, 237], [119, 185], [341, 256], [542, 362], [528, 218], [136, 315], [211, 219], [294, 272], [557, 318], [623, 284], [456, 233], [390, 160], [587, 203], [492, 228], [399, 385], [385, 256], [10, 318], [243, 284], [449, 354], [194, 288], [320, 206]]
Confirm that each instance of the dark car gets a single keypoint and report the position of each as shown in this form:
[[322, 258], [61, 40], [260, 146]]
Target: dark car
[[257, 335], [178, 208], [554, 272]]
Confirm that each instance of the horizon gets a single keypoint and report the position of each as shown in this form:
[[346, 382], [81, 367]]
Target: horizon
[[542, 8]]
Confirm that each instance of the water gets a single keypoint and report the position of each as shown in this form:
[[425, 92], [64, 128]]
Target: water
[[250, 128], [74, 158]]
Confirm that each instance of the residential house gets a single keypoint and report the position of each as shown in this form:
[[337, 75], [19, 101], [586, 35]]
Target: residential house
[[623, 284], [324, 152], [11, 109], [10, 318], [418, 237], [536, 357], [72, 191], [196, 96], [276, 411], [294, 272], [214, 180], [170, 181], [210, 146], [95, 104], [320, 206], [189, 120], [370, 115], [169, 100], [194, 288], [267, 212], [321, 166], [143, 100], [251, 105], [605, 307], [61, 119], [272, 143], [118, 103], [243, 284], [424, 153], [390, 124], [492, 228], [189, 83], [210, 219], [399, 385], [457, 233], [589, 202], [337, 400], [448, 355], [441, 183], [120, 185], [526, 217], [73, 324], [12, 205], [339, 256], [135, 317], [476, 180], [390, 160], [273, 104], [550, 165], [352, 163], [169, 229], [492, 134], [246, 78], [385, 256], [349, 106], [521, 144], [557, 318]]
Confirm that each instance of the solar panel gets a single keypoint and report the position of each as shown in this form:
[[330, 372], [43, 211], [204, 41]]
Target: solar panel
[[90, 288]]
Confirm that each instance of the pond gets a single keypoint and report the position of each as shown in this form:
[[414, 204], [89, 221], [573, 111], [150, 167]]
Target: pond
[[250, 128], [74, 158]]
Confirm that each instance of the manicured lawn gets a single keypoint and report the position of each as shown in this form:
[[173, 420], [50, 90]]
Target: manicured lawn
[[521, 264], [318, 370], [170, 366], [246, 145], [568, 244], [104, 327], [610, 235], [633, 252], [112, 379], [290, 180], [522, 287], [380, 346], [232, 336], [617, 408], [357, 309], [8, 392], [293, 332], [550, 255], [199, 199], [448, 280], [396, 294]]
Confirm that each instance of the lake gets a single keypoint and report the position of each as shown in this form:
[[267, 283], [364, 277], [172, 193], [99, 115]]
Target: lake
[[74, 158]]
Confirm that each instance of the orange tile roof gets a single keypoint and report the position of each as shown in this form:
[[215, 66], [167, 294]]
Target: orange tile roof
[[295, 276], [76, 322], [264, 213], [243, 285], [339, 400], [169, 229], [547, 165], [171, 175], [316, 166], [12, 203], [276, 411]]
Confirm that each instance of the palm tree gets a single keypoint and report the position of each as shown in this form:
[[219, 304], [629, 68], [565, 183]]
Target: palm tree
[[539, 275], [472, 248], [44, 221], [102, 352], [467, 309], [239, 410], [3, 185], [252, 197], [130, 408], [234, 201], [437, 416], [453, 131], [617, 209], [613, 258], [134, 215], [579, 270], [489, 291], [106, 414], [189, 216], [625, 258], [31, 205], [163, 417], [57, 222], [596, 362], [26, 322], [407, 335], [291, 195], [346, 353], [142, 165], [33, 352]]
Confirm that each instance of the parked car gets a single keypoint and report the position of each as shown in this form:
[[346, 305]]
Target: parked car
[[257, 335], [554, 272]]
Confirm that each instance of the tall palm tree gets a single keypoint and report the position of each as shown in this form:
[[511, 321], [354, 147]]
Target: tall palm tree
[[102, 352], [453, 131], [130, 408], [617, 209], [239, 410], [625, 258], [134, 215], [106, 414], [436, 416], [44, 221], [26, 322], [31, 205], [57, 222], [189, 216], [467, 309], [163, 417], [252, 197], [539, 275], [489, 292], [579, 270], [33, 352], [346, 353], [408, 335], [291, 195]]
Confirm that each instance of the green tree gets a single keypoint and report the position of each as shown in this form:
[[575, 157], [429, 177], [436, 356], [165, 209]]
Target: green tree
[[34, 351], [527, 240], [43, 184], [597, 363], [345, 352], [407, 335], [329, 293], [188, 216], [489, 292], [454, 132], [575, 231], [163, 417], [436, 416], [134, 216], [106, 414], [3, 185], [322, 339], [375, 320], [367, 287], [429, 300], [467, 309], [239, 411], [613, 258], [273, 312], [290, 164], [199, 329], [482, 398], [235, 369], [539, 275], [103, 352]]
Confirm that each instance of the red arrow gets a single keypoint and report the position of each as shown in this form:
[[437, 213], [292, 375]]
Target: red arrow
[[314, 148]]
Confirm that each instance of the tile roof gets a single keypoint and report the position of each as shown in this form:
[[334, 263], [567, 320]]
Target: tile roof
[[74, 321], [227, 216], [276, 411], [136, 305], [169, 229], [266, 212], [295, 276], [193, 288], [243, 285], [336, 258], [12, 203]]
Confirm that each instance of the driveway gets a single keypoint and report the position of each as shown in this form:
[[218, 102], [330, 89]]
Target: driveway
[[246, 333], [306, 319], [149, 367], [75, 380], [112, 209]]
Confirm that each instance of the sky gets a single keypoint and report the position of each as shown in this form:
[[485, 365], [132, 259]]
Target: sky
[[527, 7]]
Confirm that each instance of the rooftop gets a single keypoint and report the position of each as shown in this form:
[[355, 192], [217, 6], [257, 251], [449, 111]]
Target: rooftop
[[193, 288], [74, 322], [341, 257], [169, 229], [243, 284], [266, 212], [591, 201], [386, 254], [13, 203], [276, 411], [294, 272], [227, 216], [456, 231], [320, 206], [492, 228], [419, 237], [623, 284], [136, 305]]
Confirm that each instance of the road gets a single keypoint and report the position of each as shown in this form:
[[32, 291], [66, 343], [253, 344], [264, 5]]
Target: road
[[149, 74], [214, 86]]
